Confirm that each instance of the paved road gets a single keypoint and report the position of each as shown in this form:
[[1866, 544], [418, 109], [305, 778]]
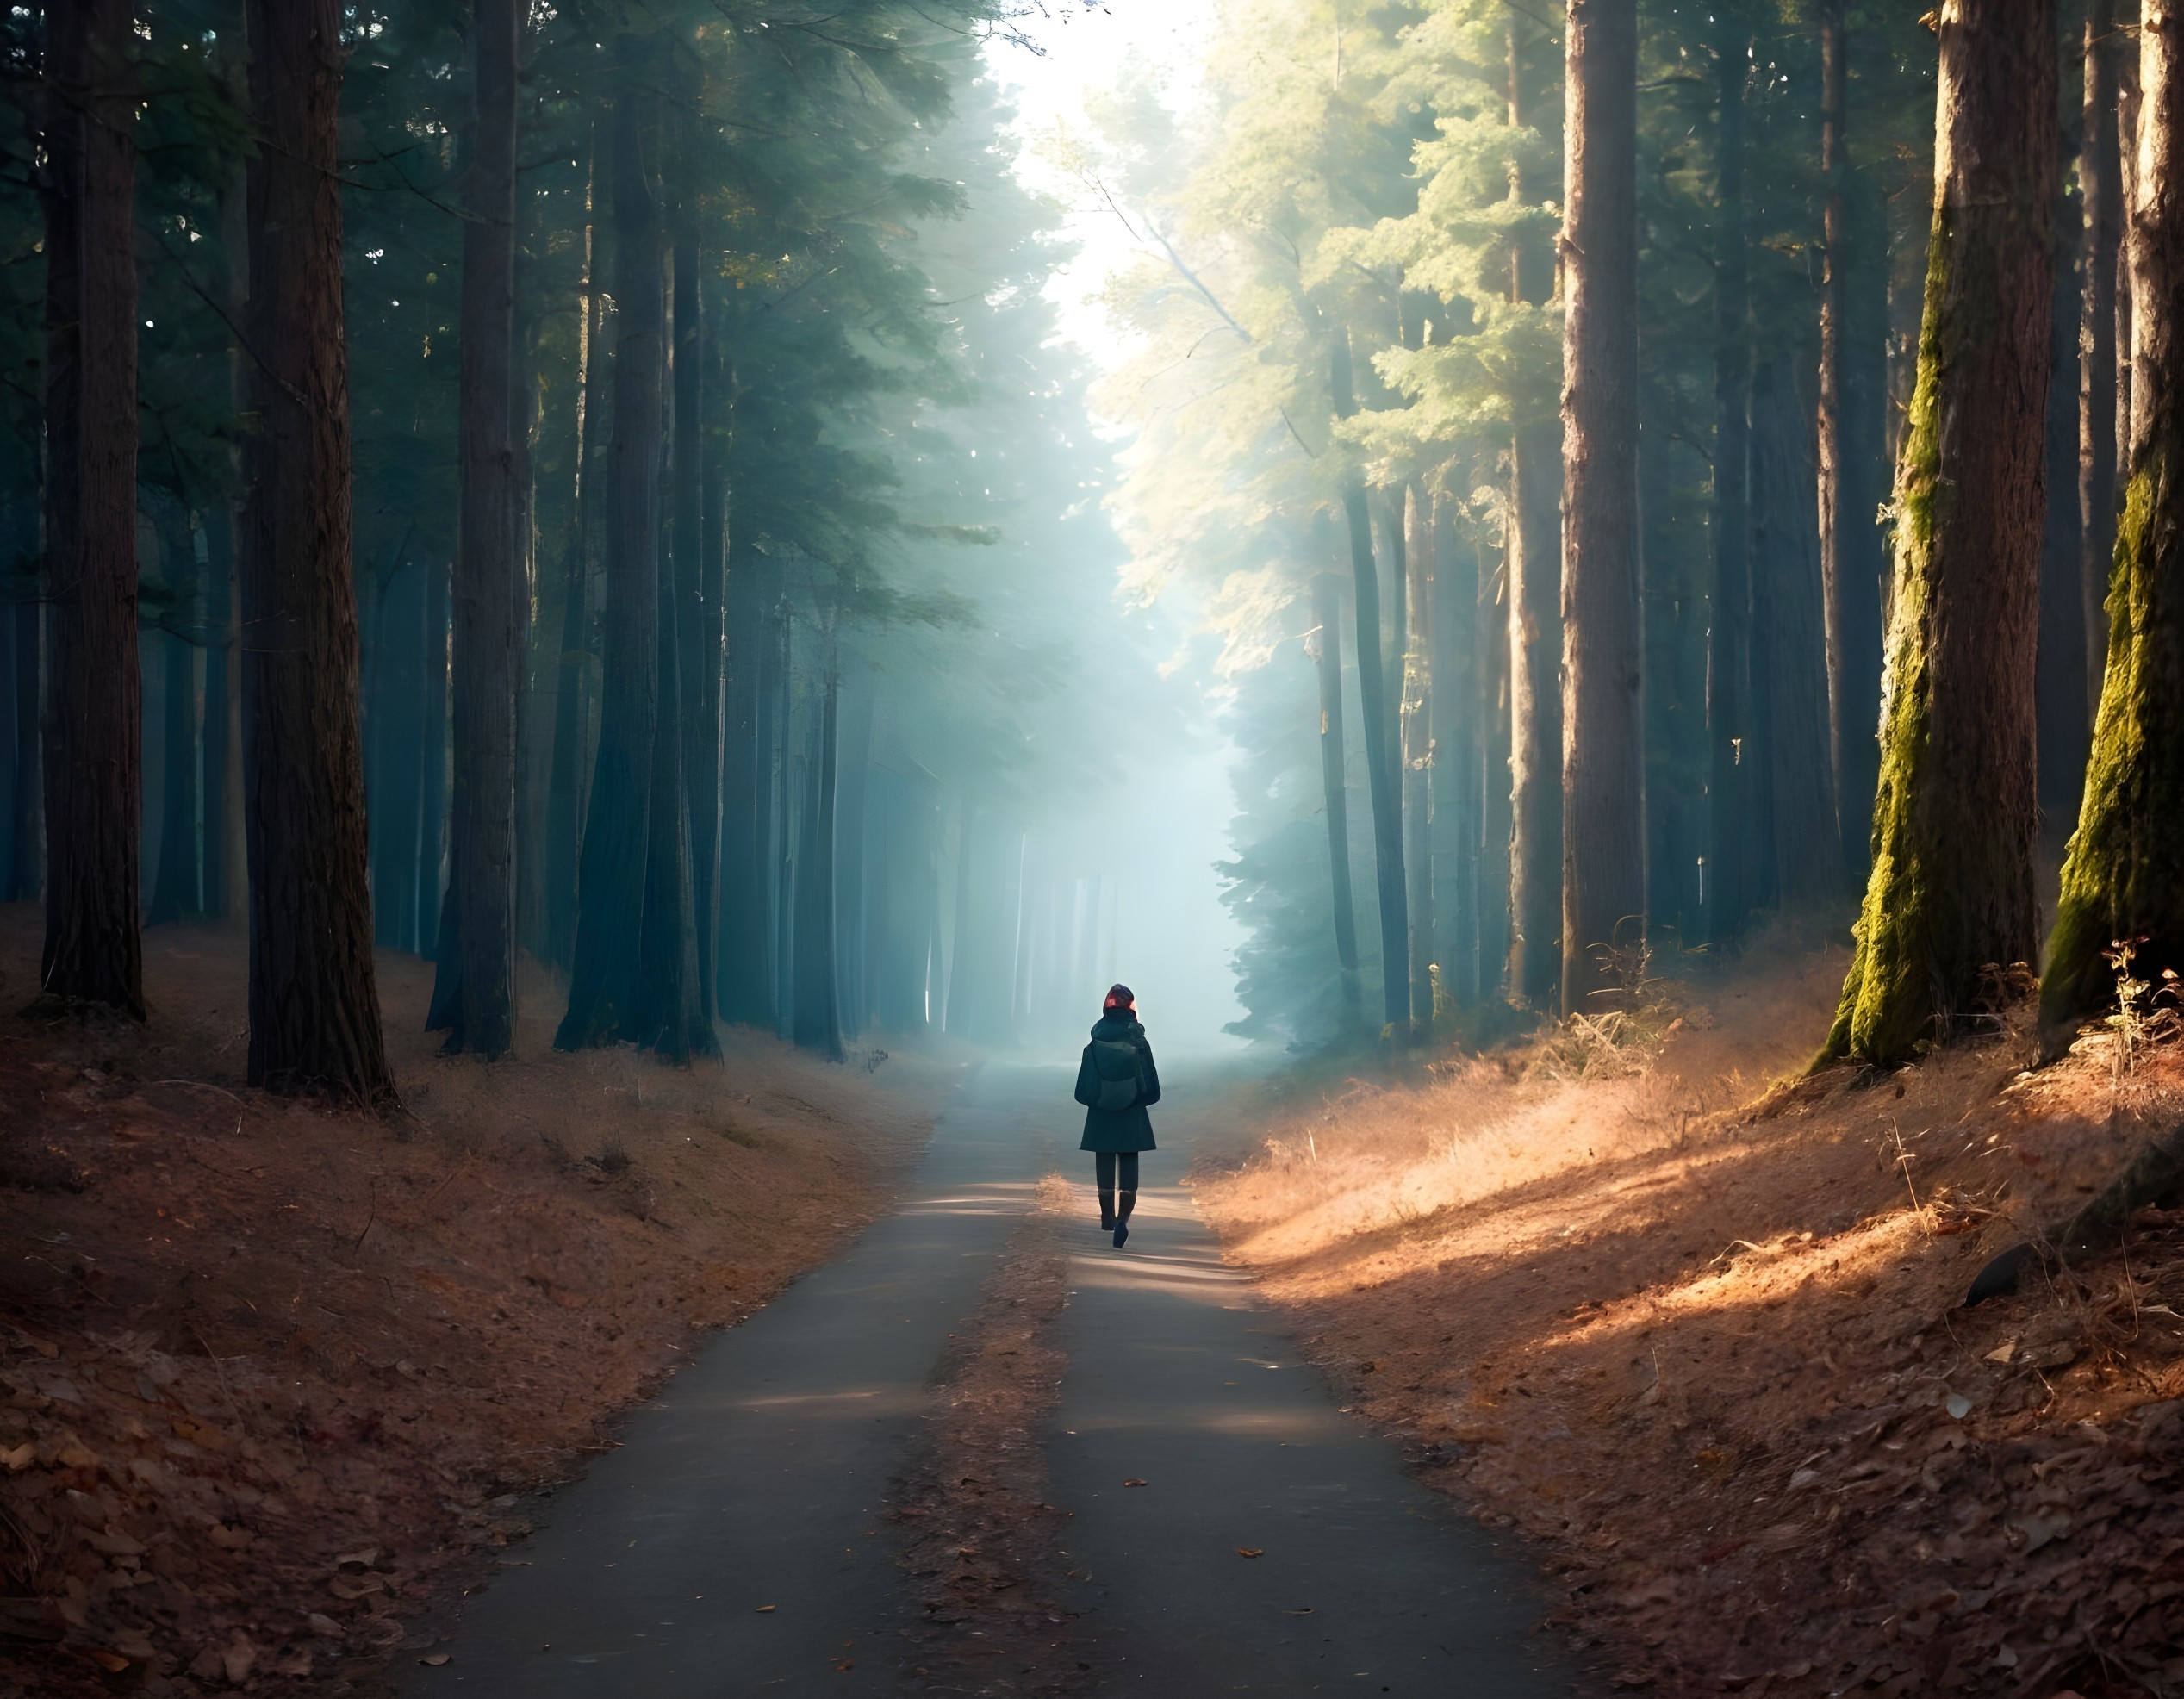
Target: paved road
[[759, 1478]]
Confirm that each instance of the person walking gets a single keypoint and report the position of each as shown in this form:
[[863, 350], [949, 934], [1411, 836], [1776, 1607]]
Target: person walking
[[1117, 1082]]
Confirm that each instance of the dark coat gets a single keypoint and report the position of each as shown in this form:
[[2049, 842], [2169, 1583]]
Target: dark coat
[[1128, 1129]]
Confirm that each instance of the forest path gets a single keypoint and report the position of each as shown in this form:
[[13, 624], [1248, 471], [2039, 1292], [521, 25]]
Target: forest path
[[759, 1478]]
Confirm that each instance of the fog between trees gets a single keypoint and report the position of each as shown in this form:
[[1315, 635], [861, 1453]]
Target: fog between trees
[[607, 485]]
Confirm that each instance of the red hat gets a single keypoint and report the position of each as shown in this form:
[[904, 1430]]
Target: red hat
[[1120, 997]]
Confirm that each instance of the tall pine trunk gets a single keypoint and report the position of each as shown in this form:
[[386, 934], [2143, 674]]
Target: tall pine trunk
[[1850, 557], [314, 1021], [1799, 792], [2101, 182], [487, 591], [697, 568], [93, 781], [1334, 792], [574, 728], [2123, 878], [607, 992], [1458, 775], [1376, 704], [1418, 748], [1603, 816], [1729, 788], [1533, 554], [1951, 893]]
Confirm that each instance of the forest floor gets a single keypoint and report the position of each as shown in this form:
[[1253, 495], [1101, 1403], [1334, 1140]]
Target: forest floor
[[1694, 1324], [271, 1377]]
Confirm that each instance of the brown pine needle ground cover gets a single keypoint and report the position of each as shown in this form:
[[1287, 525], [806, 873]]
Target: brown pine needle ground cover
[[1700, 1338], [270, 1376]]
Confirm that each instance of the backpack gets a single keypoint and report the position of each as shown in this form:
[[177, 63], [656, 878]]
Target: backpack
[[1111, 1077]]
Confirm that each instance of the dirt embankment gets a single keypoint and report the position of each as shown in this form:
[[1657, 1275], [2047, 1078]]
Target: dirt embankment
[[270, 1375], [1702, 1339]]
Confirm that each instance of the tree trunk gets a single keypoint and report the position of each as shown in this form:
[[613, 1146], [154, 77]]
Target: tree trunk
[[747, 766], [93, 776], [27, 827], [1729, 627], [1603, 863], [1418, 749], [1458, 775], [1534, 619], [1327, 646], [818, 1020], [2123, 878], [697, 569], [314, 1020], [2100, 180], [1798, 789], [488, 597], [1379, 723], [575, 725], [175, 885], [607, 992], [1850, 560], [1952, 893]]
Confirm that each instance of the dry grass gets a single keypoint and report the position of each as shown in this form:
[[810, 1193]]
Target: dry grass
[[1689, 1320], [249, 1340]]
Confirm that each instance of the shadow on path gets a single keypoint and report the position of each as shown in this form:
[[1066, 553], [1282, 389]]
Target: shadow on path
[[760, 1476]]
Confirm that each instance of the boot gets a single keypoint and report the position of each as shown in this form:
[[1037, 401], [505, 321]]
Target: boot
[[1122, 1218], [1106, 1209]]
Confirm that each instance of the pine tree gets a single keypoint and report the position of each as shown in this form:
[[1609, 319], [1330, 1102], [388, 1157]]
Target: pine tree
[[1603, 884], [314, 1021], [1950, 897], [2123, 877], [93, 800]]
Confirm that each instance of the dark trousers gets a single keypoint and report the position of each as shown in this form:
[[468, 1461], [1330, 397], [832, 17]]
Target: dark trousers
[[1104, 1165]]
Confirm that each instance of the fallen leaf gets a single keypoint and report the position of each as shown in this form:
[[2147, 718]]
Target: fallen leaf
[[2004, 1353], [362, 1560], [240, 1659], [323, 1626], [229, 1539], [432, 1661], [20, 1459], [112, 1662], [1133, 1481], [1251, 1551], [763, 1608], [1298, 1610]]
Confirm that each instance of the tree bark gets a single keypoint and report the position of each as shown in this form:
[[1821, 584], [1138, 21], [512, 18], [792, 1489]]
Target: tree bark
[[27, 827], [314, 1003], [487, 589], [1799, 792], [1458, 775], [607, 992], [1534, 615], [697, 567], [93, 775], [1418, 749], [1375, 704], [2123, 877], [1729, 898], [818, 1018], [1849, 558], [1327, 645], [2100, 180], [1603, 881], [575, 727], [1951, 893]]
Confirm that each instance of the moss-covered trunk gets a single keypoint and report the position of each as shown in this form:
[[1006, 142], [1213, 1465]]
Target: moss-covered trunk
[[2123, 875], [1952, 890]]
